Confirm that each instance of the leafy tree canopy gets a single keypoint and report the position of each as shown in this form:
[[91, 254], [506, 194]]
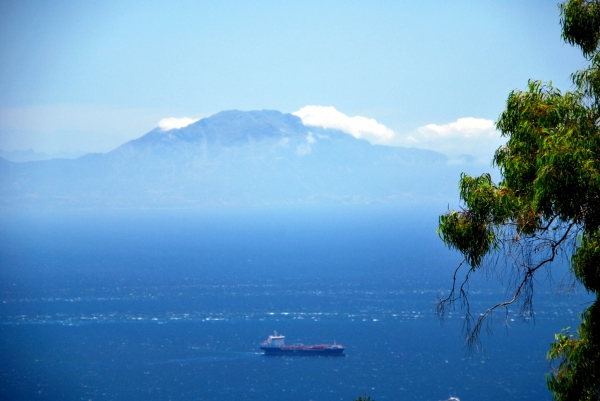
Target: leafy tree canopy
[[546, 204]]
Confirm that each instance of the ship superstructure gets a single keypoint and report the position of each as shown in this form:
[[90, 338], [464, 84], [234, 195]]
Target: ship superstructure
[[275, 345]]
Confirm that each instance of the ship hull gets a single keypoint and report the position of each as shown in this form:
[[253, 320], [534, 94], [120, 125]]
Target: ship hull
[[303, 351]]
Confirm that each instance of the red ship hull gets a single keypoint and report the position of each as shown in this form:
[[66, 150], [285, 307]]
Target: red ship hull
[[275, 345], [315, 350]]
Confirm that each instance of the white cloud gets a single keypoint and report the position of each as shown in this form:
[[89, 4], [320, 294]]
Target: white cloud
[[463, 127], [477, 137], [170, 123], [358, 127]]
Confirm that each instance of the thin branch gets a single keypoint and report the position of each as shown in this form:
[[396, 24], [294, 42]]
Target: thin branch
[[450, 298], [526, 284]]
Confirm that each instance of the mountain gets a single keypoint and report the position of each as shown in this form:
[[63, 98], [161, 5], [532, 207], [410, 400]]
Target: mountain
[[232, 158]]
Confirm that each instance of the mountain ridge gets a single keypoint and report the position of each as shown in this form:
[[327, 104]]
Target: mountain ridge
[[238, 125], [233, 157]]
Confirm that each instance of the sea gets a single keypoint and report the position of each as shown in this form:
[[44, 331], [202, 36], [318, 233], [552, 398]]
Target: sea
[[173, 305]]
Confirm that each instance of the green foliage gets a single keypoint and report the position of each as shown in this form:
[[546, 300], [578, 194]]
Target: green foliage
[[550, 161], [547, 202], [471, 231], [577, 376], [580, 20], [585, 261]]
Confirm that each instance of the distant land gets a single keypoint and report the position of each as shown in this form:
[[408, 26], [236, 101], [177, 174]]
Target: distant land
[[30, 155], [238, 158]]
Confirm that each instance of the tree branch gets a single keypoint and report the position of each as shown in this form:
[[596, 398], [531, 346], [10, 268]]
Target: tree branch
[[522, 252]]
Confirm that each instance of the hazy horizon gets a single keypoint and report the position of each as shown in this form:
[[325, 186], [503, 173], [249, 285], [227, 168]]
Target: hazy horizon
[[422, 72], [232, 168]]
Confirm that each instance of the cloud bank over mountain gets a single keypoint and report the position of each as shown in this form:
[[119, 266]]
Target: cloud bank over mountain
[[167, 124], [358, 126], [69, 128], [475, 137], [234, 158]]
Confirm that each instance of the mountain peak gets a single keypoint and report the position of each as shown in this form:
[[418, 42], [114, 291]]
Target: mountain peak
[[227, 128], [232, 158]]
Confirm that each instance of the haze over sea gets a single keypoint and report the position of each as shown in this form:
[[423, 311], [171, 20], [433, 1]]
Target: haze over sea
[[144, 305], [179, 179]]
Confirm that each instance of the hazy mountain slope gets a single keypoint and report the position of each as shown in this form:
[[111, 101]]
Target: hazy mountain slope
[[233, 157], [31, 155]]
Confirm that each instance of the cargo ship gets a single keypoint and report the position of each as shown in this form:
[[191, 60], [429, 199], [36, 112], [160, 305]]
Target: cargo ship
[[275, 345]]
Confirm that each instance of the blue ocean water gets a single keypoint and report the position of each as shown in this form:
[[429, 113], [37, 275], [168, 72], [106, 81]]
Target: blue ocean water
[[145, 305]]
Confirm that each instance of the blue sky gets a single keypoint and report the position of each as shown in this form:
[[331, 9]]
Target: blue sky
[[88, 76]]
